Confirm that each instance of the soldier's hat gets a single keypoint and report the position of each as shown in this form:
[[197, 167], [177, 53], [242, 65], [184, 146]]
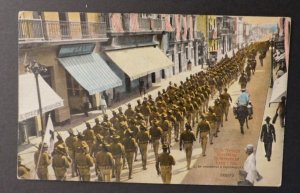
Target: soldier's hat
[[123, 125], [145, 98], [114, 112], [61, 148], [129, 105], [267, 118], [104, 124], [138, 101], [80, 135], [164, 115], [140, 115], [188, 126], [85, 146], [105, 116], [149, 96], [120, 108], [249, 147], [97, 120], [165, 146], [115, 137]]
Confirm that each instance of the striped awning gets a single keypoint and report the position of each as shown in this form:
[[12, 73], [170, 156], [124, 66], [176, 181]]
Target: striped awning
[[28, 97], [91, 72], [138, 62]]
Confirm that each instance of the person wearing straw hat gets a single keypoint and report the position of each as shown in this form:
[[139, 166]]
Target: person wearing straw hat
[[203, 130], [89, 136], [156, 133], [42, 160], [84, 162], [60, 162], [267, 136]]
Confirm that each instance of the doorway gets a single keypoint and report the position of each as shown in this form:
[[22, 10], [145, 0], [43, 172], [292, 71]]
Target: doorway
[[84, 25], [179, 62], [127, 83], [64, 25], [153, 78]]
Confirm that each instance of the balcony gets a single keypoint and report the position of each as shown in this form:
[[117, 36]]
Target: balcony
[[226, 31], [53, 31], [212, 34]]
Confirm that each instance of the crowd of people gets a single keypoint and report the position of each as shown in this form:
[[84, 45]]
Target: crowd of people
[[113, 144]]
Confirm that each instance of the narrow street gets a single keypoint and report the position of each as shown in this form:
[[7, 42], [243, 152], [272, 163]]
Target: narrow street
[[227, 150]]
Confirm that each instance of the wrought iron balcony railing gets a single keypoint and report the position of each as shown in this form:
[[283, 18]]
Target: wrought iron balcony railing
[[39, 30]]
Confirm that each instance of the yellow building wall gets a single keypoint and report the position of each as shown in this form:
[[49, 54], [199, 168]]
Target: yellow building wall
[[75, 28], [93, 17], [202, 25], [25, 15], [51, 16]]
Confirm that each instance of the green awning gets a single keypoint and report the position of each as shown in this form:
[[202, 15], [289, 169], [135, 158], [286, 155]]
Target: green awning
[[91, 72]]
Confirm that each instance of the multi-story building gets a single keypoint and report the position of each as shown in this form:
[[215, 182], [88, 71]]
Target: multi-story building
[[226, 30], [213, 37], [203, 36]]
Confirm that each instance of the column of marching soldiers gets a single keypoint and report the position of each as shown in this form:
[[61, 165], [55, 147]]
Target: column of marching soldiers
[[112, 145]]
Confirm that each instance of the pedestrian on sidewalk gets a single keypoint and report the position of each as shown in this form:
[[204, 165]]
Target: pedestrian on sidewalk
[[142, 87], [249, 173], [103, 104], [186, 141], [85, 104], [268, 136], [281, 111]]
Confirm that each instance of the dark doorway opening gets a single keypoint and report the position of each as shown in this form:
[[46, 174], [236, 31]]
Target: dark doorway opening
[[153, 79], [163, 74], [127, 83], [179, 62]]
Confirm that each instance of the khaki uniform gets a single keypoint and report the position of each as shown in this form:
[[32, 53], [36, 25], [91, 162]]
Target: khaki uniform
[[165, 162], [219, 112], [84, 163], [60, 164], [143, 139], [167, 131], [227, 98], [203, 129], [90, 138], [179, 124], [130, 113], [186, 139], [23, 172], [155, 134], [104, 164], [97, 129], [130, 146], [118, 153], [211, 118], [145, 110], [42, 166]]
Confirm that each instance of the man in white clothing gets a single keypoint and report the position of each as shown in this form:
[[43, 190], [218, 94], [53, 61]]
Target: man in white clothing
[[249, 173]]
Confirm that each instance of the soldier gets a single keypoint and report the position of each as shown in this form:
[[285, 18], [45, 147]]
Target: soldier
[[118, 153], [60, 162], [84, 163], [203, 130], [179, 121], [145, 110], [166, 126], [121, 116], [130, 113], [89, 136], [97, 127], [104, 163], [155, 133], [60, 141], [105, 121], [70, 141], [190, 110], [228, 100], [143, 139], [115, 120], [219, 113], [138, 107], [42, 160], [187, 139], [78, 146], [134, 128], [164, 164], [23, 171], [130, 146]]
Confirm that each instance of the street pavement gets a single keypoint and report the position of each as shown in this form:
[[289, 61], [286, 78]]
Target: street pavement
[[223, 159]]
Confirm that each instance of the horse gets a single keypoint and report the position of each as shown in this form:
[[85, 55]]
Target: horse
[[242, 116]]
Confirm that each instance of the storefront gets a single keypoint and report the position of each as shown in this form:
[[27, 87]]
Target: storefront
[[87, 74]]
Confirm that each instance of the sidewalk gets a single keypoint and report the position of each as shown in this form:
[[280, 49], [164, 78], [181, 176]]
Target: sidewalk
[[271, 171]]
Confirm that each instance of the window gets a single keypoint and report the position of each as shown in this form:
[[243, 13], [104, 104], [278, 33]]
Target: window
[[72, 86], [187, 52]]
